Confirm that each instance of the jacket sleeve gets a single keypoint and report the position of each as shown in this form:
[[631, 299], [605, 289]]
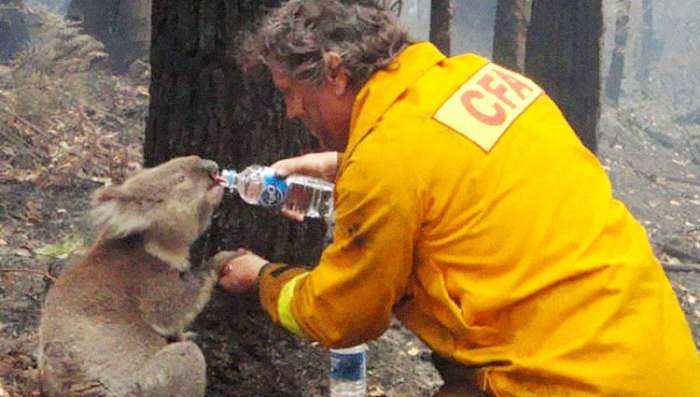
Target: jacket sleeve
[[274, 278], [348, 297]]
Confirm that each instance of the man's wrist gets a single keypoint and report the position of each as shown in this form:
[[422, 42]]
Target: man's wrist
[[261, 271], [339, 158]]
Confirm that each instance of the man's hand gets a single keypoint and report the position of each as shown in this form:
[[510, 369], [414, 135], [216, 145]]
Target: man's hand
[[322, 165], [241, 273]]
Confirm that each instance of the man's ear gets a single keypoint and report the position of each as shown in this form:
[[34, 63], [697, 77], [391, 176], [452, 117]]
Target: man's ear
[[336, 73]]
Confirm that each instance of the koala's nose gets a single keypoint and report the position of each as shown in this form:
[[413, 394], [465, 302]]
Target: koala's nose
[[210, 166]]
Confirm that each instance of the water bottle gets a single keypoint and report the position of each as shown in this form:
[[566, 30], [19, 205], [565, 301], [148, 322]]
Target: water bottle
[[299, 194], [348, 375]]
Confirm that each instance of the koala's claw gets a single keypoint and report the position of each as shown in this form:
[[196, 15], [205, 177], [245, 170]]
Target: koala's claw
[[89, 389], [182, 337]]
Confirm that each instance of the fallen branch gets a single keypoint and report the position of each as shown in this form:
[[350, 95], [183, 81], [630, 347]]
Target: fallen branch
[[96, 110], [45, 274], [26, 122], [680, 253], [680, 180], [646, 175], [651, 177], [18, 141], [681, 268]]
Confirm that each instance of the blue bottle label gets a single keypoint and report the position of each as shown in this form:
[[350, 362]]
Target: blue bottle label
[[348, 367], [274, 192]]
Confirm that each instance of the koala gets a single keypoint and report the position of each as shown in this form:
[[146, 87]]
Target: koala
[[108, 322]]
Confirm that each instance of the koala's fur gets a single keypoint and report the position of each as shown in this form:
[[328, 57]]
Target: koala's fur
[[106, 323]]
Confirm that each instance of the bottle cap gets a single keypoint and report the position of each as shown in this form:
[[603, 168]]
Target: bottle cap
[[227, 179]]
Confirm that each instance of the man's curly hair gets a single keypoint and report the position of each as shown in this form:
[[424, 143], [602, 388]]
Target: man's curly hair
[[300, 34]]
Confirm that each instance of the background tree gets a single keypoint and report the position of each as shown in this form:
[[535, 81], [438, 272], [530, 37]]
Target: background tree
[[14, 34], [647, 41], [441, 12], [617, 63], [123, 26], [563, 56], [201, 104], [510, 34]]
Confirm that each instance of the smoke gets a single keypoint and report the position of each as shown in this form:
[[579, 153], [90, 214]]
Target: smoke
[[472, 24]]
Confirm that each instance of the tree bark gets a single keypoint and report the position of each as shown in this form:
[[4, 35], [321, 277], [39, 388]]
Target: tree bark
[[510, 33], [201, 104], [441, 12], [563, 56], [616, 73]]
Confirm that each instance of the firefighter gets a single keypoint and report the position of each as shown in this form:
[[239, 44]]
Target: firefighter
[[467, 207]]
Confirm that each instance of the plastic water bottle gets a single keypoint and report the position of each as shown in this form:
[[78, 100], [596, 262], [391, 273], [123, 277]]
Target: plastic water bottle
[[348, 376], [299, 194]]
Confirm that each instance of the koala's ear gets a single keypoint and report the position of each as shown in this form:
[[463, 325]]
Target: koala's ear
[[112, 214], [107, 193], [132, 168]]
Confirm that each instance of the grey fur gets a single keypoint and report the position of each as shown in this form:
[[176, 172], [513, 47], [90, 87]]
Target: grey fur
[[107, 322]]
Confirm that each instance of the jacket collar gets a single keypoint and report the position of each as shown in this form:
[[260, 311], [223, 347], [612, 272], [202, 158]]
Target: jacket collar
[[385, 86]]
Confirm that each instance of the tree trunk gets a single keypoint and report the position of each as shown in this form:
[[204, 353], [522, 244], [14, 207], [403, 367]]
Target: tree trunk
[[201, 104], [123, 26], [135, 26], [646, 57], [563, 56], [14, 33], [441, 24], [510, 33], [617, 63]]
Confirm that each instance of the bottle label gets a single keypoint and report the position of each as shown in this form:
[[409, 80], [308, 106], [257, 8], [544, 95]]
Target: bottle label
[[348, 367], [274, 191]]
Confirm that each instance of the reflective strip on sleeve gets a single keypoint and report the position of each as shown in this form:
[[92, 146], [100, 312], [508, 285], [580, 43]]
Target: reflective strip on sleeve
[[284, 306]]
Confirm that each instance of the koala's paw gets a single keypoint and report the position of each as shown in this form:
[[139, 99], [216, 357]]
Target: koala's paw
[[221, 259]]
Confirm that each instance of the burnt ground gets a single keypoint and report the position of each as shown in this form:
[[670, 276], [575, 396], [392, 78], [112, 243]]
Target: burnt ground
[[654, 168]]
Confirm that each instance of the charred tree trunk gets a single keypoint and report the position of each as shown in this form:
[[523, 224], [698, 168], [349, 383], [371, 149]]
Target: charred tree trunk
[[123, 26], [563, 56], [646, 57], [617, 64], [135, 29], [201, 104], [441, 12], [14, 33], [510, 34]]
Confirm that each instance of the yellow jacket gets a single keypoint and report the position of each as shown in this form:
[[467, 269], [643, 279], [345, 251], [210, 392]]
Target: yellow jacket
[[468, 207]]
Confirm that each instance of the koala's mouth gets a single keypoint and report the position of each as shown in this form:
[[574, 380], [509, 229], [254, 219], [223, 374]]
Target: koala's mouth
[[215, 180]]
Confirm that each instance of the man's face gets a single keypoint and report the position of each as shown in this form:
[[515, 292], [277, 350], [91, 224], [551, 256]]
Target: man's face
[[324, 108]]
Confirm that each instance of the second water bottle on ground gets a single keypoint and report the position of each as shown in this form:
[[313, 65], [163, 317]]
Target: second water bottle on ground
[[298, 194], [348, 373]]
